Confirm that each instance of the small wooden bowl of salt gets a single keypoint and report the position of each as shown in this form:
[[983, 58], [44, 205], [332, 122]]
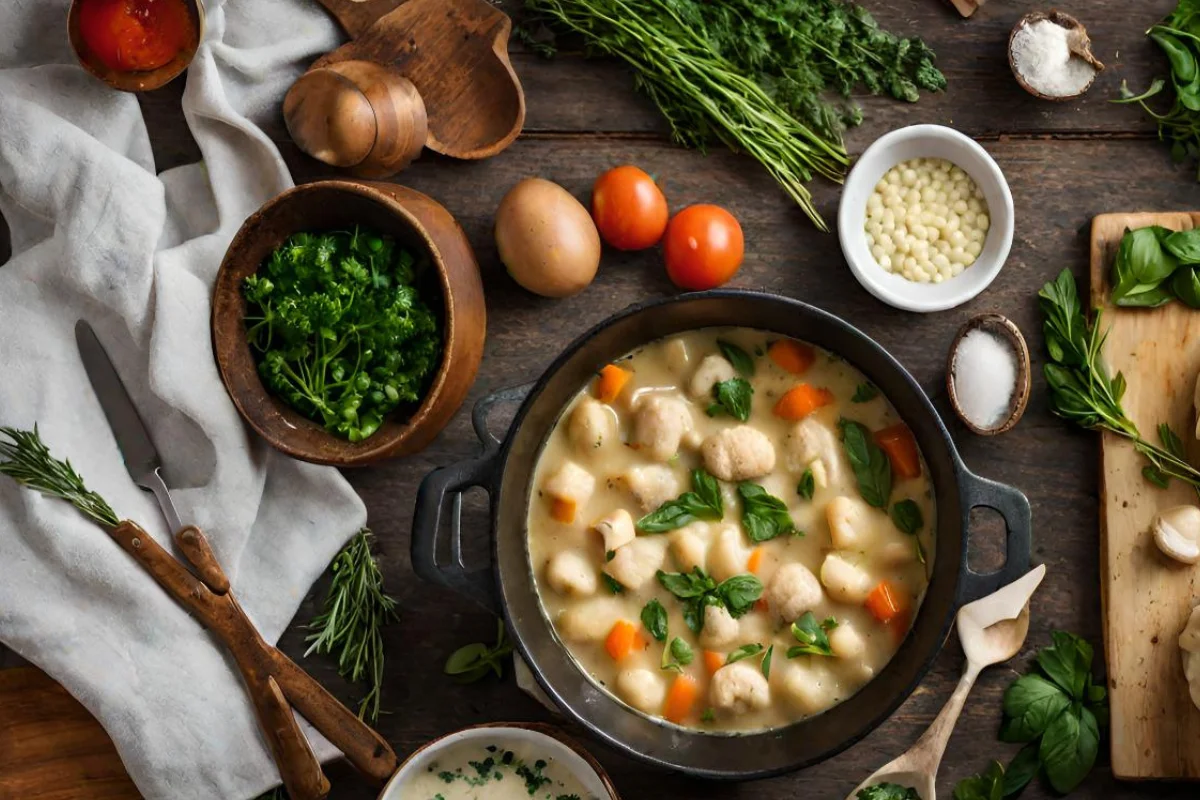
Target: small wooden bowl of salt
[[1051, 56], [987, 374]]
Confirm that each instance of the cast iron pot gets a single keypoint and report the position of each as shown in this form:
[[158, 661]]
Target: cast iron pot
[[506, 468]]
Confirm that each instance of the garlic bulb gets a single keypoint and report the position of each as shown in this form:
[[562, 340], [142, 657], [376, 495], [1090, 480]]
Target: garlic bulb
[[1177, 533]]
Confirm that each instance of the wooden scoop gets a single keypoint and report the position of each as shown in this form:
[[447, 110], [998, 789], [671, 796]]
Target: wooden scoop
[[991, 630]]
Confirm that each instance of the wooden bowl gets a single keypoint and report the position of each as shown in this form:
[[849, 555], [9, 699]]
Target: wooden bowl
[[135, 81], [1071, 24], [453, 288], [1003, 328]]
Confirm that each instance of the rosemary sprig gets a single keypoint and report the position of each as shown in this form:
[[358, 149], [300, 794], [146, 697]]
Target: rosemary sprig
[[351, 624], [1081, 390], [28, 461]]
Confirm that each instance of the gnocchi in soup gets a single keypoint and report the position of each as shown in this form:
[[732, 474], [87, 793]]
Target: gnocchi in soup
[[730, 530]]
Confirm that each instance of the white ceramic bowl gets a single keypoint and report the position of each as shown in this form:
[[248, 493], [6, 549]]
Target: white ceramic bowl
[[925, 141], [567, 755]]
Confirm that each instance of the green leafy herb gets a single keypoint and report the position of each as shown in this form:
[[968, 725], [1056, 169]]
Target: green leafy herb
[[351, 622], [765, 666], [654, 617], [25, 458], [807, 485], [1057, 712], [989, 785], [1141, 268], [907, 517], [677, 655], [739, 594], [865, 393], [473, 662], [871, 467], [741, 360], [732, 397], [888, 791], [339, 330], [703, 502], [697, 590], [764, 516], [687, 585], [612, 583], [1185, 284], [708, 716], [752, 74], [1081, 390], [813, 636], [745, 651]]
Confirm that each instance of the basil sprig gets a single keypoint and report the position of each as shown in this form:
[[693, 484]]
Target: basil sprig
[[907, 517], [698, 590], [703, 502], [764, 516], [871, 467], [732, 397], [739, 358], [813, 636]]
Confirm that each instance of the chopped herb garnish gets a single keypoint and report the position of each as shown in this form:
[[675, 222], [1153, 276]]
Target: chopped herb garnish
[[812, 636]]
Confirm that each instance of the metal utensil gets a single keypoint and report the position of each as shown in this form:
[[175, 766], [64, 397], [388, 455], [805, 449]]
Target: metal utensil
[[991, 630], [274, 682]]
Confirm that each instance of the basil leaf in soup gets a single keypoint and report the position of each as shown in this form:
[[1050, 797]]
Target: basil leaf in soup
[[865, 393], [703, 502], [681, 651], [654, 617], [686, 585], [745, 651], [612, 583], [738, 357], [733, 397], [764, 516], [807, 485], [907, 517], [813, 636], [693, 615], [766, 662], [871, 467], [739, 594]]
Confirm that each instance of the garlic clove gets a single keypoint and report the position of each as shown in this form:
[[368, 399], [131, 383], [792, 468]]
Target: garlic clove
[[1177, 533]]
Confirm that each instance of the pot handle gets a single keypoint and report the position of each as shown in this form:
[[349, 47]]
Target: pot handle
[[477, 584], [1013, 506]]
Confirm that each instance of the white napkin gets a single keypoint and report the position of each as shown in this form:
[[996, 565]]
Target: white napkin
[[97, 234]]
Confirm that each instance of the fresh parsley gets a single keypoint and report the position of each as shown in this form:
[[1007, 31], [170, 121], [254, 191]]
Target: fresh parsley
[[339, 330], [807, 485], [888, 791], [864, 393], [703, 502], [871, 467], [697, 590], [813, 636], [732, 397], [764, 516], [654, 617], [739, 358], [988, 785], [1057, 712]]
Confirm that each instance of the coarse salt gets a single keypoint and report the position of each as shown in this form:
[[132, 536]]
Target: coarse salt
[[985, 378], [1043, 58]]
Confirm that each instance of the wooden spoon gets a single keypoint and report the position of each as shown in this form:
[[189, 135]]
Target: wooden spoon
[[992, 630]]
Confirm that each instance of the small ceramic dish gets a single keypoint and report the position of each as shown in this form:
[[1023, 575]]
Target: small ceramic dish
[[561, 752], [1006, 330], [1080, 43], [135, 80], [925, 141], [452, 287]]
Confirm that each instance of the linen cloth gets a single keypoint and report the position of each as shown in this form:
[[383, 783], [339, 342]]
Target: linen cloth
[[98, 235]]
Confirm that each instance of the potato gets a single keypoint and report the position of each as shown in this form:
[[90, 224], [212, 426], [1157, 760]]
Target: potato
[[547, 239]]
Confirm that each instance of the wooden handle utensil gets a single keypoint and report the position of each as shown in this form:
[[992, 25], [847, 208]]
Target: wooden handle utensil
[[274, 682]]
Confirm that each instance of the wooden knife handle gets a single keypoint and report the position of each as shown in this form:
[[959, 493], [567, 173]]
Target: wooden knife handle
[[369, 752], [298, 765], [195, 548], [356, 17]]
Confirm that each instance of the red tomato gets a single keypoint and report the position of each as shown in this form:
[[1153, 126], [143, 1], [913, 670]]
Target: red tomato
[[629, 208], [703, 248]]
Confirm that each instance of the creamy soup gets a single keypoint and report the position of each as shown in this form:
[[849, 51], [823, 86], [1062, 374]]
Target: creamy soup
[[474, 770], [731, 531]]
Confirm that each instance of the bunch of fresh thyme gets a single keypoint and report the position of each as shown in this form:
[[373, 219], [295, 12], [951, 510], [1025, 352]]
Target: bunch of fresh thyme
[[1083, 392]]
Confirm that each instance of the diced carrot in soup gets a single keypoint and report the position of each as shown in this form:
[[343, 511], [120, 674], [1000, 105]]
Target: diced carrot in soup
[[610, 383], [802, 400], [791, 356], [713, 661], [755, 560], [901, 448], [680, 698], [886, 602], [562, 510], [622, 640]]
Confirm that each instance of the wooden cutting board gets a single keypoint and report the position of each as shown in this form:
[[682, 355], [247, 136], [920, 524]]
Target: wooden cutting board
[[1146, 597], [51, 748]]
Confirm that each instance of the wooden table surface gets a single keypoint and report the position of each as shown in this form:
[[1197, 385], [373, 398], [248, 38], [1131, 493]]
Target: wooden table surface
[[1065, 162]]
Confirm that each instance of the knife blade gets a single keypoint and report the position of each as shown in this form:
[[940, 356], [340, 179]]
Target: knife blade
[[133, 439]]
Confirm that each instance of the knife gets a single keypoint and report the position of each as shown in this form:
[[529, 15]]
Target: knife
[[212, 601]]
